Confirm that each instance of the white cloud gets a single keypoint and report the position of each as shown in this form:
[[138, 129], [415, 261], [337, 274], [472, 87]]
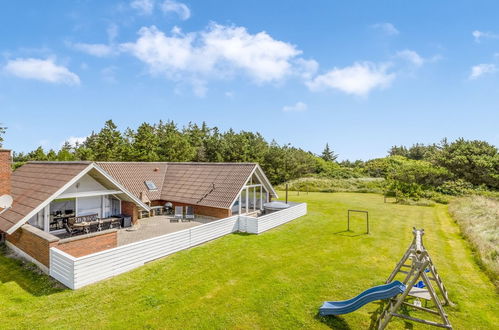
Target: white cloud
[[144, 7], [306, 68], [162, 53], [386, 28], [74, 140], [478, 35], [358, 79], [261, 56], [43, 70], [216, 52], [411, 56], [481, 69], [176, 7], [298, 107], [99, 50]]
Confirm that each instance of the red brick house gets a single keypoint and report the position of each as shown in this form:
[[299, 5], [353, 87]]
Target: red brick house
[[45, 192]]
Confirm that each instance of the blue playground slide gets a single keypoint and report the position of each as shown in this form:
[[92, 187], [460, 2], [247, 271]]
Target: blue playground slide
[[375, 293]]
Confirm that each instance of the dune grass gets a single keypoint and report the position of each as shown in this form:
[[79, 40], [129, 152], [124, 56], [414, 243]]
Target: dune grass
[[274, 280], [479, 220], [320, 184]]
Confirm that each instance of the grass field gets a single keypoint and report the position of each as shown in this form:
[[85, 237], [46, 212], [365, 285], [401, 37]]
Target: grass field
[[478, 218], [274, 280]]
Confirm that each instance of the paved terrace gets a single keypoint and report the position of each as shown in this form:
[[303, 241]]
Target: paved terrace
[[157, 226]]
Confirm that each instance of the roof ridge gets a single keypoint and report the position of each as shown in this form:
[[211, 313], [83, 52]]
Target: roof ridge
[[76, 162], [163, 181], [172, 163]]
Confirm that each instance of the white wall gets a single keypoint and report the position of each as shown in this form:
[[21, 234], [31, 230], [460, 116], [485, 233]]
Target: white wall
[[85, 184], [269, 221], [78, 272], [62, 267], [89, 205]]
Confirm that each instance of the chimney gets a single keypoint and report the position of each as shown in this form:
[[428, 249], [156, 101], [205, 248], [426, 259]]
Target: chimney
[[5, 172]]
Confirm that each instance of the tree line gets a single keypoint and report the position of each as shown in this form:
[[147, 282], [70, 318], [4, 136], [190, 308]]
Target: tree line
[[166, 142], [445, 167]]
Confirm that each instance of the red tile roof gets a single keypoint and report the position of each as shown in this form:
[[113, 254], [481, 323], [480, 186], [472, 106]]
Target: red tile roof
[[33, 184], [207, 184]]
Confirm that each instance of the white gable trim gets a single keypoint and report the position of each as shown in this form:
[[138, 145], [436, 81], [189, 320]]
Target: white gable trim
[[66, 186], [48, 200], [120, 187], [265, 182]]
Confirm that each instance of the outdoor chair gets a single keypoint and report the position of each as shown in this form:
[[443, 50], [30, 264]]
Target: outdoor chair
[[105, 224], [115, 223], [179, 213], [189, 213], [69, 225], [94, 226]]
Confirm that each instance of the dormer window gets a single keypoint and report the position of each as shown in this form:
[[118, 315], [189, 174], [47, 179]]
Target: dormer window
[[150, 185]]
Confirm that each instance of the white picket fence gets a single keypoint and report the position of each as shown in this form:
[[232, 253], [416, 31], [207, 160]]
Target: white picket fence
[[269, 221], [78, 272]]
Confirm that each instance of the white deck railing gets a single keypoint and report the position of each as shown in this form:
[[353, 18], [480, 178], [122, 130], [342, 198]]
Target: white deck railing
[[269, 221], [78, 272]]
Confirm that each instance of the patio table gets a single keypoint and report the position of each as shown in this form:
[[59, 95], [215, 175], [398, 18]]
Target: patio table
[[84, 225]]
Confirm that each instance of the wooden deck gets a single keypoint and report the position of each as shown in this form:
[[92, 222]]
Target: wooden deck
[[157, 226]]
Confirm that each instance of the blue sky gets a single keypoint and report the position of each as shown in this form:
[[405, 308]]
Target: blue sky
[[360, 75]]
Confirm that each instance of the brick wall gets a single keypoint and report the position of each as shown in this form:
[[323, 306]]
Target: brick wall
[[79, 246], [37, 243], [198, 209], [5, 171], [34, 242], [207, 210], [130, 209], [158, 202]]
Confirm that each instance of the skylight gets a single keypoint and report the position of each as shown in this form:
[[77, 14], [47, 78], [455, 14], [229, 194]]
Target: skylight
[[150, 185]]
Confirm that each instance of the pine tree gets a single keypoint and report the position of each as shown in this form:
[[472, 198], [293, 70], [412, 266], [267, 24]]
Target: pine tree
[[145, 144], [108, 144], [328, 154]]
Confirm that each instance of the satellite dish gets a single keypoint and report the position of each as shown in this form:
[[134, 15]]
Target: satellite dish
[[5, 201]]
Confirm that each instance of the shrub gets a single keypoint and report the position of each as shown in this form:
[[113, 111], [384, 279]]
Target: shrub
[[474, 161], [380, 167], [321, 184], [333, 170], [457, 187], [403, 190], [419, 172]]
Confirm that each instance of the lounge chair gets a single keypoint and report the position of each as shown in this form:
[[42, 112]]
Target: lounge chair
[[189, 213], [179, 213]]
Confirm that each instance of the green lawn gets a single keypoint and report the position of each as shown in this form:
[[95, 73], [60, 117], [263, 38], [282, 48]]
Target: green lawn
[[274, 280]]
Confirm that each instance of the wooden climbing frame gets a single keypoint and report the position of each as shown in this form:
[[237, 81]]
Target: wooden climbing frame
[[420, 268]]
